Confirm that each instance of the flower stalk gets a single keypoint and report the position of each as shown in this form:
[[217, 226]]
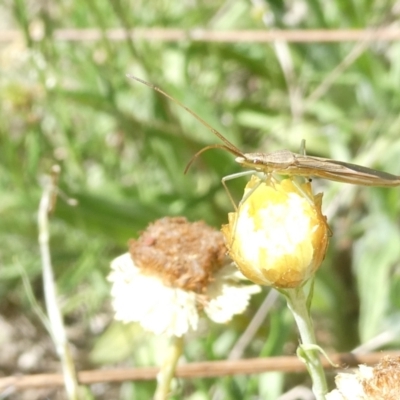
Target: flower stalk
[[297, 301], [167, 370]]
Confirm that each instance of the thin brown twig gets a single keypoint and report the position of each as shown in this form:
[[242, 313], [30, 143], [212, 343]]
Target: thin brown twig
[[194, 370], [203, 35]]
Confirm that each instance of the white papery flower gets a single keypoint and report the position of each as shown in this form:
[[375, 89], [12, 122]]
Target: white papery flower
[[381, 382], [172, 272]]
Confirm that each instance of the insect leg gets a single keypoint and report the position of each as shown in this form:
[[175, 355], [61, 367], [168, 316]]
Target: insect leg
[[234, 176], [314, 201], [302, 152], [230, 177], [303, 147], [302, 192]]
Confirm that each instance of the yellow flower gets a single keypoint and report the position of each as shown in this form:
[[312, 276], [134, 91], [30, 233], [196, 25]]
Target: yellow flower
[[172, 271], [278, 236]]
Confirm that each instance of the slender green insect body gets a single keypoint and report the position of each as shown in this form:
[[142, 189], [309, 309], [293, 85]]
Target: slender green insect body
[[285, 162]]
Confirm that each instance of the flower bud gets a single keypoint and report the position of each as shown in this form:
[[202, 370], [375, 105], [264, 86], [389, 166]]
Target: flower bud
[[278, 236]]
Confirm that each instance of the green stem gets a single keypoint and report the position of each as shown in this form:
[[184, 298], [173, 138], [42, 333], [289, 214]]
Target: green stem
[[297, 303], [167, 370]]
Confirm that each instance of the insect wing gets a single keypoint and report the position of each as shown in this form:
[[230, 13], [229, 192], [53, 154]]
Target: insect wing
[[341, 171]]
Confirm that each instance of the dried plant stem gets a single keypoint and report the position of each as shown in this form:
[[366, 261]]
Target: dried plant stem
[[57, 330], [297, 301], [387, 34], [167, 370], [204, 369]]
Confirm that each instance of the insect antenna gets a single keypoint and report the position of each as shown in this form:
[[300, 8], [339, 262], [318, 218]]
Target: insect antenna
[[213, 146], [227, 144]]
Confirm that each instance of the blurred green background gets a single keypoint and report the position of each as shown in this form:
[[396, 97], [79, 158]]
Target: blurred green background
[[123, 149]]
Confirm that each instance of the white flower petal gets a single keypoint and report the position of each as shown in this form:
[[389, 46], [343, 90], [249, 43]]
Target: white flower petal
[[173, 311], [348, 388], [227, 297], [350, 385], [145, 299]]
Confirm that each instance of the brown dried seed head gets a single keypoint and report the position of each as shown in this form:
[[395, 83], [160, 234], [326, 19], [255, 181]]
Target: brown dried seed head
[[385, 380], [183, 254]]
